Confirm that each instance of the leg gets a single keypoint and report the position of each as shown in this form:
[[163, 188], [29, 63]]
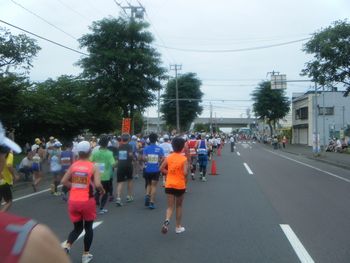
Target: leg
[[89, 235], [119, 189], [179, 201], [153, 188], [130, 184], [105, 185], [78, 228]]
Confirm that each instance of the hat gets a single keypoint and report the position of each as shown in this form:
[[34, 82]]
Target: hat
[[7, 142], [37, 141], [134, 137], [51, 138], [166, 137], [83, 146]]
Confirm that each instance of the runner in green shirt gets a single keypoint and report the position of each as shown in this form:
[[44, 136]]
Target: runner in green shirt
[[105, 161]]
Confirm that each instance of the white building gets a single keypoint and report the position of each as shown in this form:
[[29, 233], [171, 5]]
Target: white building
[[326, 114]]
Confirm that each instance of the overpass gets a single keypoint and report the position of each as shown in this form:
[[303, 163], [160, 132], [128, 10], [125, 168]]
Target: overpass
[[234, 123]]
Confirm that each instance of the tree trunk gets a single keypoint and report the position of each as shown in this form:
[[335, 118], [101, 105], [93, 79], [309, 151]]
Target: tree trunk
[[271, 131]]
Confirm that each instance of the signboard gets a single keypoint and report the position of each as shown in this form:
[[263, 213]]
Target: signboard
[[279, 81], [126, 125]]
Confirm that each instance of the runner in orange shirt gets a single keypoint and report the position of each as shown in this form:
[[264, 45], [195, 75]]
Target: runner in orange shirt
[[176, 168]]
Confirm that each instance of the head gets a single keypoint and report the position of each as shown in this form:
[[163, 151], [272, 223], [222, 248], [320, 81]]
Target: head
[[153, 138], [125, 138], [52, 139], [178, 144], [37, 141], [134, 138], [193, 136], [103, 142], [57, 145], [199, 137], [166, 137], [84, 149]]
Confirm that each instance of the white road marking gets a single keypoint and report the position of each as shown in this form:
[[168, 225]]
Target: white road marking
[[310, 166], [30, 195], [238, 154], [94, 225], [248, 169], [298, 247]]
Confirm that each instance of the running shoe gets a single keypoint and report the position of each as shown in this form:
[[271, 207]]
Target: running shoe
[[147, 198], [204, 179], [165, 226], [179, 230], [151, 206], [136, 176], [66, 248], [118, 202], [102, 211], [192, 176], [129, 198], [57, 193], [86, 258]]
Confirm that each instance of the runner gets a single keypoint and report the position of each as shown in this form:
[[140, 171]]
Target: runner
[[124, 171], [152, 155], [176, 168], [67, 159], [55, 167], [135, 163], [38, 156], [202, 157], [104, 160], [81, 178], [192, 145]]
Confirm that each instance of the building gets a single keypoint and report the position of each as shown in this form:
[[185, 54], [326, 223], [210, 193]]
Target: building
[[326, 114]]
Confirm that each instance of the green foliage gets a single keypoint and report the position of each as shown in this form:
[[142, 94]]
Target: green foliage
[[16, 51], [269, 104], [201, 127], [122, 67], [331, 62], [188, 88]]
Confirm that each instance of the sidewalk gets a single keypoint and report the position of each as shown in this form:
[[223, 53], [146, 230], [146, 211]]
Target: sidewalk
[[332, 158]]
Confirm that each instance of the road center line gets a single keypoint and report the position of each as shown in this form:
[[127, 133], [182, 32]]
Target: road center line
[[94, 225], [298, 247], [248, 169], [310, 166], [238, 154]]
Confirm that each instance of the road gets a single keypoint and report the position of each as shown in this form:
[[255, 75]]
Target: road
[[264, 206]]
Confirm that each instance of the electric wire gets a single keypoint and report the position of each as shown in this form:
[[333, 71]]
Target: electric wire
[[44, 38], [233, 50], [43, 19], [74, 11]]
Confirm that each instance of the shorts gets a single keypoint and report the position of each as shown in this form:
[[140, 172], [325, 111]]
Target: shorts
[[175, 192], [79, 211], [203, 160], [124, 174], [149, 177], [6, 192], [36, 167]]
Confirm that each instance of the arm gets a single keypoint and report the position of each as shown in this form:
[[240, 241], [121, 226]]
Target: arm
[[43, 246], [97, 181], [163, 167], [66, 179]]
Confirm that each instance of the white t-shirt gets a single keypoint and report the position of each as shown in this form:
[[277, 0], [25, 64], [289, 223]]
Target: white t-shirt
[[167, 148]]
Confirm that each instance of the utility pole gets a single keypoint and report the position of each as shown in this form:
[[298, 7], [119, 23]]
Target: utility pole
[[211, 118], [158, 120], [177, 67], [135, 11], [316, 136]]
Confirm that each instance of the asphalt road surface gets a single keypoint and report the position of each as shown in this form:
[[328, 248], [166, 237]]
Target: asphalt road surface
[[264, 206]]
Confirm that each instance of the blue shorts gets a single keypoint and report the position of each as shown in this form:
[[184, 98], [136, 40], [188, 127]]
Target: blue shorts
[[203, 160], [36, 167]]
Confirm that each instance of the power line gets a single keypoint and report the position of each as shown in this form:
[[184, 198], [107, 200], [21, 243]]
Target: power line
[[234, 50], [73, 10], [43, 38], [43, 19]]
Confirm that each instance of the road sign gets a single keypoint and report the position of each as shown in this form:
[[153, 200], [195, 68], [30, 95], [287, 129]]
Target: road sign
[[279, 81]]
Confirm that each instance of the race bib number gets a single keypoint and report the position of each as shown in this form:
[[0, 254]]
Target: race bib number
[[101, 167], [79, 180], [123, 155], [65, 161], [152, 158]]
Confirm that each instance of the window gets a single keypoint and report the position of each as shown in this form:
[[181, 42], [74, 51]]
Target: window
[[326, 110], [302, 113]]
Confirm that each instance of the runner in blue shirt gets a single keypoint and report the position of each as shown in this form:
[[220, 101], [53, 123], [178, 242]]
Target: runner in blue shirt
[[152, 156]]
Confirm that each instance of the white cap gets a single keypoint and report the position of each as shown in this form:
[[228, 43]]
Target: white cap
[[133, 137], [83, 146], [7, 142], [166, 137]]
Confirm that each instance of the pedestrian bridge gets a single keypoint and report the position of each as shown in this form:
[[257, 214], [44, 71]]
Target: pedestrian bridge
[[234, 123]]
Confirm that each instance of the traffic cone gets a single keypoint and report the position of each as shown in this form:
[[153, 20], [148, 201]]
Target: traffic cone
[[213, 168]]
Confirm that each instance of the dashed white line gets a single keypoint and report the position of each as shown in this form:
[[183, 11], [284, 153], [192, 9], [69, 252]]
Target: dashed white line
[[94, 225], [298, 247], [310, 166], [248, 169], [238, 154]]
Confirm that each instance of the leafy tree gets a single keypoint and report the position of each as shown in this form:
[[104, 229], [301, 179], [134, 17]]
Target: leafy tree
[[331, 62], [122, 67], [188, 88], [16, 51], [269, 104], [199, 127]]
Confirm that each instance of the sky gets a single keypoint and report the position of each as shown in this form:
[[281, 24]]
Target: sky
[[205, 37]]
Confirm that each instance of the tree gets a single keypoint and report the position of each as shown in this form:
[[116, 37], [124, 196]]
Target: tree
[[122, 67], [331, 63], [270, 105], [16, 51], [188, 88]]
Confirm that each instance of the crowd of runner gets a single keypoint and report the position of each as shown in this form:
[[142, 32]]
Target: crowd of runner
[[96, 171]]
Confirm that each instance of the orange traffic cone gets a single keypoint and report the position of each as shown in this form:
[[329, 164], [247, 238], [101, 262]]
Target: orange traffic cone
[[213, 168]]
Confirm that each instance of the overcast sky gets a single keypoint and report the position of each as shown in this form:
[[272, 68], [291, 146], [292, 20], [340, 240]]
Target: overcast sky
[[191, 25]]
